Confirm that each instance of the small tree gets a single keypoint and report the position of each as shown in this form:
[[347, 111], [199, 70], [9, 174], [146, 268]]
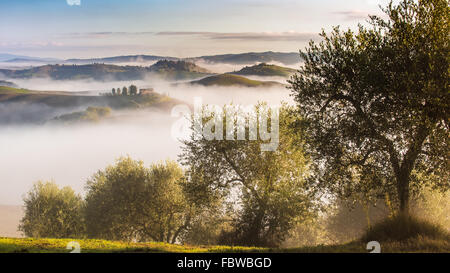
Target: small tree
[[131, 202], [133, 90], [376, 103], [114, 91], [52, 212], [124, 91]]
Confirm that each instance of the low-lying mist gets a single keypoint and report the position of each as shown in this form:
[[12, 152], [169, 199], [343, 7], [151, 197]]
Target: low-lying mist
[[70, 153]]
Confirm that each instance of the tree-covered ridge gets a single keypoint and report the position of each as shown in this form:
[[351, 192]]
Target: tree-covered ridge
[[252, 57], [107, 72], [264, 69]]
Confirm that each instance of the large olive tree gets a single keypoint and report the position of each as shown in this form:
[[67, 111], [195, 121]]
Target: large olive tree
[[376, 103]]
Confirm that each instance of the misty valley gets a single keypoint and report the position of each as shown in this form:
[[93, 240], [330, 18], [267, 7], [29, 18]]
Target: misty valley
[[62, 113], [247, 127]]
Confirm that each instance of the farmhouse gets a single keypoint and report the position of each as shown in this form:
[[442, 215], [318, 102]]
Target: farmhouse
[[146, 91]]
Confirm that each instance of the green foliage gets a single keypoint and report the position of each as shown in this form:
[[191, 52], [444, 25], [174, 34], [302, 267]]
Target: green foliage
[[264, 69], [133, 90], [433, 206], [268, 188], [124, 91], [376, 103], [91, 114], [131, 202], [52, 212]]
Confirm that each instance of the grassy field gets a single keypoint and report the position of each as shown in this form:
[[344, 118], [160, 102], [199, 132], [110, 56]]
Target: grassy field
[[234, 80], [31, 245]]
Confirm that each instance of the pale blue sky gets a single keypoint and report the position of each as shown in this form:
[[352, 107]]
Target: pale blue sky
[[53, 28]]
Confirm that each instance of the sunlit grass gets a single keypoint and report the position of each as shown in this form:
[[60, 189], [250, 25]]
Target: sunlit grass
[[31, 245]]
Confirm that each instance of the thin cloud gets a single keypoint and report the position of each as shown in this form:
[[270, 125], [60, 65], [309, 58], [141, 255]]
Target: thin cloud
[[102, 34], [352, 15], [256, 36], [74, 2]]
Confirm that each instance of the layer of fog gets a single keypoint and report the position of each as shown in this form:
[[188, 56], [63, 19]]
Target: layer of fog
[[70, 154], [92, 86]]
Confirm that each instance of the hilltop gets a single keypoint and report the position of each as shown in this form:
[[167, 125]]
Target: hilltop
[[29, 106], [178, 70], [252, 57], [234, 80], [264, 69], [174, 70], [122, 59]]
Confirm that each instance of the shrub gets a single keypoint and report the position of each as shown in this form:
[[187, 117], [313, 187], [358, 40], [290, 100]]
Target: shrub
[[402, 228], [52, 212]]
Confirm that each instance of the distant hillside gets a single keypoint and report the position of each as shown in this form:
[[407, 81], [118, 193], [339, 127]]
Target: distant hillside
[[173, 70], [78, 72], [233, 80], [21, 58], [264, 69], [121, 59], [22, 106], [241, 58], [72, 100], [178, 70], [252, 57], [7, 83]]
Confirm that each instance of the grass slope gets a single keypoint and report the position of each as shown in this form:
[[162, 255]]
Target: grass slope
[[8, 245], [234, 80]]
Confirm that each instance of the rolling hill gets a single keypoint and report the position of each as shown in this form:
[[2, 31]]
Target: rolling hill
[[251, 57], [264, 69], [22, 106], [234, 80], [122, 59], [178, 70], [241, 58], [20, 58], [7, 83], [172, 70]]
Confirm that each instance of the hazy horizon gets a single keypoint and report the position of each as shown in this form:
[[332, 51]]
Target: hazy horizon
[[96, 28]]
